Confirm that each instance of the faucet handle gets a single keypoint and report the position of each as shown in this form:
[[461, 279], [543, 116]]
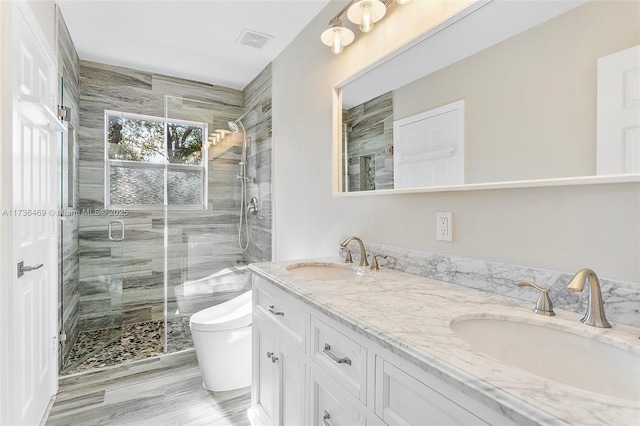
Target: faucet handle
[[348, 258], [543, 304], [374, 262]]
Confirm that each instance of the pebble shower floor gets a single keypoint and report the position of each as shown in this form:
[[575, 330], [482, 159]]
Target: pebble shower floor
[[107, 347]]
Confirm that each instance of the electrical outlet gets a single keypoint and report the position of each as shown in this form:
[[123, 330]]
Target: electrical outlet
[[444, 226]]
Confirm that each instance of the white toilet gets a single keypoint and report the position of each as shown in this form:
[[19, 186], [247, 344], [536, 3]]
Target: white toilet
[[222, 338]]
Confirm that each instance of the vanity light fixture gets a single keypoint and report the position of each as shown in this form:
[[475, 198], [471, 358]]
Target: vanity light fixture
[[337, 37], [363, 13]]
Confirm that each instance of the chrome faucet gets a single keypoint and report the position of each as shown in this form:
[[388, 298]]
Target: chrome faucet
[[595, 308], [363, 252]]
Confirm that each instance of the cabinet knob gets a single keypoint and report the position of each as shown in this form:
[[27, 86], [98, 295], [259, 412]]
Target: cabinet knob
[[269, 354], [274, 359], [326, 416]]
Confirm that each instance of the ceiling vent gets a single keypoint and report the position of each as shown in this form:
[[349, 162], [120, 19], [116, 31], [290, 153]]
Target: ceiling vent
[[253, 38]]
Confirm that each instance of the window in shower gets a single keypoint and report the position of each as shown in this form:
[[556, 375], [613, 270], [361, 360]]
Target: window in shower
[[153, 162]]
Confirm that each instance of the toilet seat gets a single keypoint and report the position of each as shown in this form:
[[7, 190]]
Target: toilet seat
[[232, 314]]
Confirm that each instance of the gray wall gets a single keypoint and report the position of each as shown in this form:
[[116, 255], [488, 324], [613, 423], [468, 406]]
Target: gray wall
[[124, 282]]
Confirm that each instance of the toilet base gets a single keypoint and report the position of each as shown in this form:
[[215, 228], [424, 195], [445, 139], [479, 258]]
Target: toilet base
[[224, 358]]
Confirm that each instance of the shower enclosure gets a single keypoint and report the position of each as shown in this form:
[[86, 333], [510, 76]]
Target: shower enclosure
[[159, 223]]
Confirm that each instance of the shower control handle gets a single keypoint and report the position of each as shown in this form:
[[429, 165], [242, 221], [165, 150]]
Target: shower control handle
[[252, 207], [274, 312]]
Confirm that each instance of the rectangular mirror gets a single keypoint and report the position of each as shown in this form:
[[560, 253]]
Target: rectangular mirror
[[544, 90]]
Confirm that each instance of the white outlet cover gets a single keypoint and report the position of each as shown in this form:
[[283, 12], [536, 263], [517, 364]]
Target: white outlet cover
[[444, 226]]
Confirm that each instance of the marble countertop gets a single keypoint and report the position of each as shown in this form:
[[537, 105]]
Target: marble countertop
[[411, 316]]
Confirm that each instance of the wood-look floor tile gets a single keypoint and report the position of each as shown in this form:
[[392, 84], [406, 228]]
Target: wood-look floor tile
[[164, 391]]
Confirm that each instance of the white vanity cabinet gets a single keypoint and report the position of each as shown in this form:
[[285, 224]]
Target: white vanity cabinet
[[325, 374], [278, 362]]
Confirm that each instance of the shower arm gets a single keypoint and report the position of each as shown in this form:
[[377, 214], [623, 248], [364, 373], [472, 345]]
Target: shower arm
[[246, 113]]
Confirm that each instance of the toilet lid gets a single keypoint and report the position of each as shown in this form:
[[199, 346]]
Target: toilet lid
[[235, 313]]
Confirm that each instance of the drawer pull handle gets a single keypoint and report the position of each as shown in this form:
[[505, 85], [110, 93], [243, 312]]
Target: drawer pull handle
[[274, 312], [326, 417], [344, 360]]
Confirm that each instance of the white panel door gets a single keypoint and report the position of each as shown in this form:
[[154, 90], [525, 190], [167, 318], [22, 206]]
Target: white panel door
[[618, 132], [32, 317], [429, 148]]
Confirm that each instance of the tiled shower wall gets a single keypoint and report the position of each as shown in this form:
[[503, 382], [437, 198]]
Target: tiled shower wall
[[257, 107], [123, 282], [369, 135], [69, 309]]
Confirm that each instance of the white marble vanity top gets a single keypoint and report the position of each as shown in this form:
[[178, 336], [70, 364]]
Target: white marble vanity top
[[411, 316]]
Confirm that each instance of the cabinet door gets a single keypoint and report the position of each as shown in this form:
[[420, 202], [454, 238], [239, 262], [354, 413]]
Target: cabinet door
[[265, 374], [278, 377], [291, 368]]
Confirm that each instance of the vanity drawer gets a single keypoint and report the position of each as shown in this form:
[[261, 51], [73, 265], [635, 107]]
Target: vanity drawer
[[343, 358], [330, 406], [282, 309], [401, 399]]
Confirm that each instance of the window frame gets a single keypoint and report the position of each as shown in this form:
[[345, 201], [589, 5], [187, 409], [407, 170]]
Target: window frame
[[166, 166]]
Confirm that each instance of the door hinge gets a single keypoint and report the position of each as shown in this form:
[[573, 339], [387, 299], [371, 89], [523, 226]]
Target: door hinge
[[64, 113], [62, 337]]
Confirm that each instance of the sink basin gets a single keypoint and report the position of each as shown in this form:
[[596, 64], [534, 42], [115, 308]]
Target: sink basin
[[603, 366], [324, 271]]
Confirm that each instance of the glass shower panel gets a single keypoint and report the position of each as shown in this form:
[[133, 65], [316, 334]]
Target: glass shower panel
[[99, 290], [204, 263]]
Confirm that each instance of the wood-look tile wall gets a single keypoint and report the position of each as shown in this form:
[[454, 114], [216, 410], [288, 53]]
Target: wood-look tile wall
[[257, 107], [124, 281], [369, 134]]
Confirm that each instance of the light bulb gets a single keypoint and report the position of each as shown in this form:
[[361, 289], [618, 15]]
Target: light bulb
[[336, 46], [367, 22], [337, 37]]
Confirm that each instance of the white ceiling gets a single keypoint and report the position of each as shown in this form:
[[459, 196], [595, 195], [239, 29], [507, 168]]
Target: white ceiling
[[196, 40]]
